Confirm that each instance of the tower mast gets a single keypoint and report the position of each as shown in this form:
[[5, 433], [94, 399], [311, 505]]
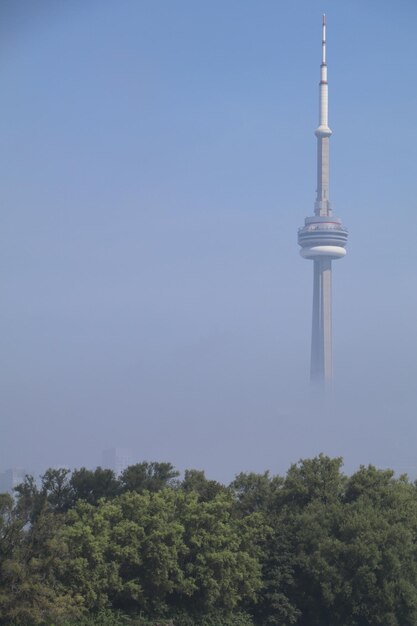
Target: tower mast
[[323, 133], [322, 239]]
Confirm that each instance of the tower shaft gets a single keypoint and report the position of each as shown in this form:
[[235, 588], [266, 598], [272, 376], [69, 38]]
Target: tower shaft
[[321, 336]]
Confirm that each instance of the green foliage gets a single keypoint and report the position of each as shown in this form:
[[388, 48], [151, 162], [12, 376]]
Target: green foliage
[[196, 481], [30, 500], [314, 547], [147, 544], [90, 570], [153, 551], [31, 587], [104, 617], [54, 494], [265, 495], [148, 477], [215, 618], [113, 618], [92, 486], [57, 489], [255, 492], [220, 564], [314, 480], [352, 553]]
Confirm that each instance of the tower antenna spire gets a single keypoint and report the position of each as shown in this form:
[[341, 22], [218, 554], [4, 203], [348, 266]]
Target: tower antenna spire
[[322, 239], [323, 133]]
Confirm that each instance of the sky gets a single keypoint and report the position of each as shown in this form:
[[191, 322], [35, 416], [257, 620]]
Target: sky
[[156, 160]]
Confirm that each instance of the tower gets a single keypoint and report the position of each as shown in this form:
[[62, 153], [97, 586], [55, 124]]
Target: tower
[[322, 239]]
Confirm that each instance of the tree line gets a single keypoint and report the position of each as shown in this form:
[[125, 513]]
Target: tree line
[[147, 548]]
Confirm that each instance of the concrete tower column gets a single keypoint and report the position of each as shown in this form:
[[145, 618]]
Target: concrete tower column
[[326, 317], [321, 335], [315, 367]]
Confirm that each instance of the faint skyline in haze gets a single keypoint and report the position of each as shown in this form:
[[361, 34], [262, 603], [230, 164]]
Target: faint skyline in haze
[[157, 159]]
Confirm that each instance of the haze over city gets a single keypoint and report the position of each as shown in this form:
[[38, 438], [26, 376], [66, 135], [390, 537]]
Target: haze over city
[[157, 160]]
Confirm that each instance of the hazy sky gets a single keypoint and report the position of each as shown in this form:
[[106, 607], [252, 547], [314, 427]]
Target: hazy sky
[[157, 158]]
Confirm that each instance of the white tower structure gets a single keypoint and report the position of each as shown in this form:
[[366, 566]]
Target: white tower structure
[[322, 239]]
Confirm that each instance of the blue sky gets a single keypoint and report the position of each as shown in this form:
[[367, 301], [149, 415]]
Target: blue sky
[[157, 158]]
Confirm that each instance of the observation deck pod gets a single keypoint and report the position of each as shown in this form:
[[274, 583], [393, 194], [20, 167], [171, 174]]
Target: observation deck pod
[[322, 237]]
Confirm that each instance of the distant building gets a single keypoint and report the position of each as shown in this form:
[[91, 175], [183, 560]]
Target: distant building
[[117, 459], [11, 478]]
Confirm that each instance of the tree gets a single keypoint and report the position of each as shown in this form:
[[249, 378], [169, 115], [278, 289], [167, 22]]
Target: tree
[[255, 492], [32, 571], [90, 570], [314, 479], [91, 486], [30, 501], [11, 526], [57, 488], [149, 477], [161, 552], [351, 545], [126, 551], [221, 566], [196, 481], [147, 543]]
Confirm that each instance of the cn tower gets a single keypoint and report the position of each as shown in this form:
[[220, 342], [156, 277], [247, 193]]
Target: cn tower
[[322, 239]]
